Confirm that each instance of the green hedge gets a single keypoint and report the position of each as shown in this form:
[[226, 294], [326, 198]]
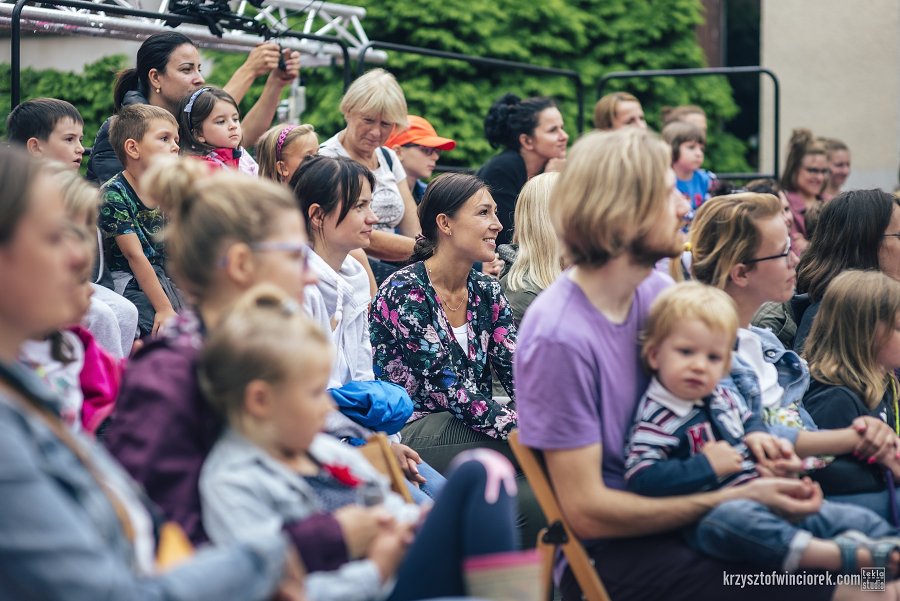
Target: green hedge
[[592, 37]]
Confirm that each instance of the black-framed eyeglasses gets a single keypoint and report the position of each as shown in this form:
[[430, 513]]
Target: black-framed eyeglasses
[[784, 255], [426, 150]]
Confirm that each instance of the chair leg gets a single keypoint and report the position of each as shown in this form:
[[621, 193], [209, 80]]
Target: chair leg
[[548, 553]]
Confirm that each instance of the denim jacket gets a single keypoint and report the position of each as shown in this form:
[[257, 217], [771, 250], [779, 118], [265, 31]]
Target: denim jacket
[[793, 376], [60, 537]]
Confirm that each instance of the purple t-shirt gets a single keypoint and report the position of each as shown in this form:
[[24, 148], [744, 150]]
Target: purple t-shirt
[[578, 376]]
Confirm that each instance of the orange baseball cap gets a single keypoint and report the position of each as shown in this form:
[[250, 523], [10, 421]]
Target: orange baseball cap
[[422, 133]]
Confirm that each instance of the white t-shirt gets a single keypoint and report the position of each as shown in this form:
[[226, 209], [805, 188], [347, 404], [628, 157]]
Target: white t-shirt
[[750, 350], [462, 336], [62, 378], [386, 200]]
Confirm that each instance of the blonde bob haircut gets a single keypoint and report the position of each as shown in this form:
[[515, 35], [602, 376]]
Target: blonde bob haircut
[[208, 212], [265, 336], [610, 194], [605, 109], [690, 301], [81, 198], [538, 261], [725, 233], [269, 153], [856, 319], [376, 93]]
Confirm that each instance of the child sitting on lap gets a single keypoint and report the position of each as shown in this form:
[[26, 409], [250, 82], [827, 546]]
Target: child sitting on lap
[[691, 435]]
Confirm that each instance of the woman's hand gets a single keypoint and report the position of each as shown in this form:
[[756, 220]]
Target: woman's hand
[[263, 59], [291, 67]]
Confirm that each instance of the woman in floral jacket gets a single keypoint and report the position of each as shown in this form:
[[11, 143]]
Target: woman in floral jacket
[[438, 326]]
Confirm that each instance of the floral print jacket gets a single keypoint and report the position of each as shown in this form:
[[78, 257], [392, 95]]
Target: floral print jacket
[[414, 347]]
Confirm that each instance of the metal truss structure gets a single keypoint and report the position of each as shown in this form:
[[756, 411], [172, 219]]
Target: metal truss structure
[[138, 21]]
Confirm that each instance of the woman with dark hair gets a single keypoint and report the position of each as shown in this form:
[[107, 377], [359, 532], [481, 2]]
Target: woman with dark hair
[[168, 69], [804, 176], [438, 326], [531, 134], [856, 230]]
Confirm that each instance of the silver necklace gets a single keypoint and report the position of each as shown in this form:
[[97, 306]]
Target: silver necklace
[[440, 300]]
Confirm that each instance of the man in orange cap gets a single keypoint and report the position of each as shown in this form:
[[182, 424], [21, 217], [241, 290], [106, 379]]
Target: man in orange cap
[[419, 148]]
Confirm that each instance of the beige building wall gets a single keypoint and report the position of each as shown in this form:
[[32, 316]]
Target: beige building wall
[[838, 62]]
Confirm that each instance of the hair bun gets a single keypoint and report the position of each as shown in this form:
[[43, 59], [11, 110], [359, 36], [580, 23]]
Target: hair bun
[[496, 124], [172, 182], [801, 137]]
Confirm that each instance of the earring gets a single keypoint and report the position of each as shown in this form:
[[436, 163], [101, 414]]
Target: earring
[[158, 90], [449, 233]]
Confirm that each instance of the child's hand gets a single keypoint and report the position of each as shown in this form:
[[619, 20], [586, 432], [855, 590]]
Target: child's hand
[[161, 318], [408, 460], [389, 548], [774, 456], [723, 458], [360, 525]]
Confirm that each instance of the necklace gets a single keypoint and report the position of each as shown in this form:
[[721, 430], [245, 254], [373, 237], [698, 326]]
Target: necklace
[[444, 304]]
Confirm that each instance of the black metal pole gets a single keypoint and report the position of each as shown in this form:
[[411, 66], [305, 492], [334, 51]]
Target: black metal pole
[[480, 60]]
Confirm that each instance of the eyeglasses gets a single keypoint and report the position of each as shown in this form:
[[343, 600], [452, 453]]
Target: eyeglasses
[[785, 255], [298, 250], [426, 150], [816, 171]]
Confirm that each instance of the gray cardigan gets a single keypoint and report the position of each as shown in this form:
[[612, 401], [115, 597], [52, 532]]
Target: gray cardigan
[[245, 494], [60, 537]]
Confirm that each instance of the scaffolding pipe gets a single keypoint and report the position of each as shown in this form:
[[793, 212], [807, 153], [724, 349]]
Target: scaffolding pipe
[[96, 22]]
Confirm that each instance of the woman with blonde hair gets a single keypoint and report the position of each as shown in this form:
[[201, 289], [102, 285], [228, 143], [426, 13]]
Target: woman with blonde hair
[[854, 348], [838, 167], [537, 262], [619, 109], [374, 107]]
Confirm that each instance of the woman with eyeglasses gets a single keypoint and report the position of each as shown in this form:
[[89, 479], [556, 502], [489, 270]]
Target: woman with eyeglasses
[[740, 244], [805, 172], [374, 107], [227, 233]]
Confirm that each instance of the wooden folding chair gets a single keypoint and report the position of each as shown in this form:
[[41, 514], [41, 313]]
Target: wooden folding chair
[[557, 534], [378, 451]]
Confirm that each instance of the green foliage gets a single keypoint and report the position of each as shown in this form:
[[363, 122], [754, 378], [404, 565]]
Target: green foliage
[[591, 37], [90, 92]]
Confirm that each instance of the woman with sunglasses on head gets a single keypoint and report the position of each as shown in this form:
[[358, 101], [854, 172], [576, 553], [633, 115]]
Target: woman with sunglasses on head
[[228, 232], [72, 524], [805, 172], [740, 243]]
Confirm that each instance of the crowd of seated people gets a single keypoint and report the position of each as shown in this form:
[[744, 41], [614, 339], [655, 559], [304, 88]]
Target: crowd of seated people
[[198, 338]]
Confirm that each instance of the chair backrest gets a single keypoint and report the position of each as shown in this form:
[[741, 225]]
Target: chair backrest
[[378, 452], [558, 534]]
